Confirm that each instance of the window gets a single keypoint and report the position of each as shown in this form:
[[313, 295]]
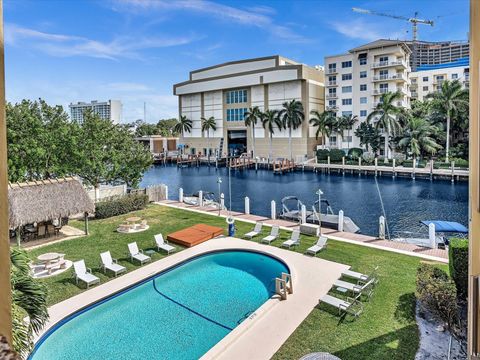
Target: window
[[383, 74], [346, 101], [346, 64], [363, 87], [425, 88], [236, 114], [347, 139], [383, 88], [332, 78], [383, 60], [332, 102], [363, 113], [363, 61], [346, 89], [236, 96], [454, 76], [332, 66], [425, 78], [332, 91], [363, 74], [347, 76], [333, 140], [363, 100], [346, 113]]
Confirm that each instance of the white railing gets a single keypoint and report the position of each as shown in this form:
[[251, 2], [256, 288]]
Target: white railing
[[389, 63], [331, 96]]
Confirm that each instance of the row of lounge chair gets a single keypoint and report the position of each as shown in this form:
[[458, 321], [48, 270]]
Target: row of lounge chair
[[293, 241], [84, 274]]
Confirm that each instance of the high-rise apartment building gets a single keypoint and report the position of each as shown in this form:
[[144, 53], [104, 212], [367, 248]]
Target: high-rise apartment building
[[111, 110], [435, 53], [356, 80]]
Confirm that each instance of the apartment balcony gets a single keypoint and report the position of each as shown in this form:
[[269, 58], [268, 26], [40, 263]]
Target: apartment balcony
[[331, 96], [397, 64], [331, 107], [332, 83], [391, 77], [331, 71], [377, 92]]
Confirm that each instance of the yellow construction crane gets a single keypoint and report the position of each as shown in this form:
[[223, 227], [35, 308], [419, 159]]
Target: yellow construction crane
[[414, 20]]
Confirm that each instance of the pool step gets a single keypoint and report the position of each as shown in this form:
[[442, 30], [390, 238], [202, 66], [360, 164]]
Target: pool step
[[284, 286]]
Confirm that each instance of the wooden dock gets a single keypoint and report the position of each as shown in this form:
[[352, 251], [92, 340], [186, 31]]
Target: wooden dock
[[187, 160], [281, 166], [241, 163]]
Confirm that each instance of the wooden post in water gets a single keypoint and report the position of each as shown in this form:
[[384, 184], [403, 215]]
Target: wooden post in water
[[273, 210]]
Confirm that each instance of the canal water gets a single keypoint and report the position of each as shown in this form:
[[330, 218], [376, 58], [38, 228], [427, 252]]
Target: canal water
[[406, 201]]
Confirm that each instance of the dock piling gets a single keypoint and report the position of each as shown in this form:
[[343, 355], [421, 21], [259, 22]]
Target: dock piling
[[273, 210], [180, 195], [381, 227], [340, 220], [247, 205]]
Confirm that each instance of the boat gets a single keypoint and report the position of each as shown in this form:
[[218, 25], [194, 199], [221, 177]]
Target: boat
[[208, 199], [292, 211]]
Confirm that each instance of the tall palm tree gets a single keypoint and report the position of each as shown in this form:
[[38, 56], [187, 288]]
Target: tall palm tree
[[251, 118], [417, 137], [292, 117], [207, 125], [449, 100], [270, 119], [183, 125], [386, 115], [348, 121], [29, 299], [324, 122]]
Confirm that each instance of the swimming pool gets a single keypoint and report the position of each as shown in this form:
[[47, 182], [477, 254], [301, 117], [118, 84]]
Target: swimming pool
[[406, 201], [178, 314]]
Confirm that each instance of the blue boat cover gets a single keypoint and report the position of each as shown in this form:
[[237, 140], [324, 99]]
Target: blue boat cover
[[446, 226]]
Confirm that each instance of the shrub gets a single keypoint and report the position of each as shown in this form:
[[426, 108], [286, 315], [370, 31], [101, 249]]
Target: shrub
[[437, 292], [336, 155], [120, 205], [322, 154], [355, 153], [458, 264], [461, 163]]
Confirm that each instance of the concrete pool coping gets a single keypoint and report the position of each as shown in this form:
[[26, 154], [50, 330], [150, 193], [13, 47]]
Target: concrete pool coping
[[264, 331]]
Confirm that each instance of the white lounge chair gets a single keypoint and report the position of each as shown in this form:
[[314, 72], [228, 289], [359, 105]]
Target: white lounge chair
[[319, 245], [293, 241], [363, 277], [111, 264], [137, 254], [84, 274], [362, 288], [162, 244], [257, 230], [351, 306], [273, 235]]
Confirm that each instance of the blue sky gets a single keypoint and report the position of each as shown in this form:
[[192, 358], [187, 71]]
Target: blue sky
[[135, 50]]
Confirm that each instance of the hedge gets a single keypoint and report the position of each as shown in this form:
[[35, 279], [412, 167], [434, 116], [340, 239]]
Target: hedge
[[120, 205], [336, 155], [355, 153], [458, 264], [322, 154]]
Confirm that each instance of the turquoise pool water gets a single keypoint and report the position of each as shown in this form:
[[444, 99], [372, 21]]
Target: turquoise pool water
[[178, 314]]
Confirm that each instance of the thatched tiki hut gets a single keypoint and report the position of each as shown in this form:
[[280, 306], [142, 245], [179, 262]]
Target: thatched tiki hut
[[44, 200]]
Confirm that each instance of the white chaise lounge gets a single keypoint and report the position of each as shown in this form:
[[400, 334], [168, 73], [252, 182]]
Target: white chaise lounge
[[111, 264], [273, 235], [359, 276], [137, 254], [256, 230], [160, 243], [84, 274], [319, 245], [293, 241], [351, 306], [362, 288]]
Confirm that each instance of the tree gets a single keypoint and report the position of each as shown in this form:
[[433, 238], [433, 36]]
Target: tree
[[270, 120], [29, 298], [369, 136], [166, 127], [448, 101], [145, 129], [183, 125], [348, 121], [324, 122], [417, 138], [386, 115], [207, 125], [292, 117], [251, 118]]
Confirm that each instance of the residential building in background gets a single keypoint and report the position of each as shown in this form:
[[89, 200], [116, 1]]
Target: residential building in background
[[435, 53], [429, 78], [110, 109], [228, 90], [356, 80]]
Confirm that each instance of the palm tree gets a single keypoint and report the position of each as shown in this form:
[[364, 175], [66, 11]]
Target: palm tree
[[29, 298], [183, 125], [292, 117], [251, 118], [270, 119], [348, 121], [207, 125], [449, 100], [324, 122], [417, 138], [387, 115], [369, 136]]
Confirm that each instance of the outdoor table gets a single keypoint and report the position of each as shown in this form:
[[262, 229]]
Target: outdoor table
[[47, 258], [133, 219]]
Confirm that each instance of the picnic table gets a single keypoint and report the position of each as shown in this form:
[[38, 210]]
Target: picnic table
[[51, 260]]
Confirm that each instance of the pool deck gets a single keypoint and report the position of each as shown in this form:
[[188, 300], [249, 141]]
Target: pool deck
[[440, 255], [263, 332]]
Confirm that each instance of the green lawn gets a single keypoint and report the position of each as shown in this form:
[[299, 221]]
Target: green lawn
[[386, 329]]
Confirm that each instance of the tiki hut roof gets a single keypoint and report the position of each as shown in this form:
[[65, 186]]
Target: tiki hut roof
[[43, 200]]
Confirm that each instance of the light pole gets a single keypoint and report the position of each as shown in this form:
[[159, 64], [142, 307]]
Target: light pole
[[219, 182], [319, 193]]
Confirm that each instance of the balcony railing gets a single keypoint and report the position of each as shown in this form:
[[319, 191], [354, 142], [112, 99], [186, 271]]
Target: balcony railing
[[380, 91], [332, 71], [388, 77], [389, 63], [332, 83], [331, 107], [331, 96]]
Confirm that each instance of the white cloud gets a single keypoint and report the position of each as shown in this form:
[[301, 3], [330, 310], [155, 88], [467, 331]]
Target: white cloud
[[363, 30], [67, 45], [256, 16]]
